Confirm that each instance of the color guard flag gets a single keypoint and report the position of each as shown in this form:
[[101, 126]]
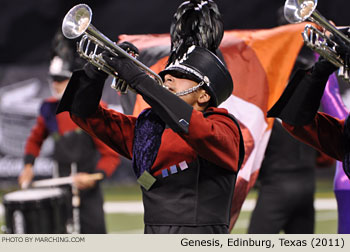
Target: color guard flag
[[260, 62]]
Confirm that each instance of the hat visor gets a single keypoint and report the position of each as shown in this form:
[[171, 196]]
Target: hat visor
[[183, 74], [179, 73]]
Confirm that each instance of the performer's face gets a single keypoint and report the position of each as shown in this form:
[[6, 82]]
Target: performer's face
[[195, 99], [58, 87]]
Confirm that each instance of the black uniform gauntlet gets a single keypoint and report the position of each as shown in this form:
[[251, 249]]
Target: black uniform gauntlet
[[84, 91], [171, 109], [300, 100]]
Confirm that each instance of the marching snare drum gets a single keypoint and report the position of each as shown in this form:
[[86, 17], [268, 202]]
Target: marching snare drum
[[36, 211]]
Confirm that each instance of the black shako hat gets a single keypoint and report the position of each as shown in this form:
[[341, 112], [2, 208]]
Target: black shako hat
[[201, 65]]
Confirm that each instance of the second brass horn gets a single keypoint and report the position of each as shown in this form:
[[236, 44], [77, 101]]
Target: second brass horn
[[296, 11], [77, 22]]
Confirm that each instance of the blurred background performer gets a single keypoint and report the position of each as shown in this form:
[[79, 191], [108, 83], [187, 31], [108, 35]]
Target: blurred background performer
[[72, 145], [286, 186]]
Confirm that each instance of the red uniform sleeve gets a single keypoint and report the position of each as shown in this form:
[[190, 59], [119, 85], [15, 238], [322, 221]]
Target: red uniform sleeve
[[113, 128], [109, 159], [36, 138], [215, 138], [325, 134], [323, 160]]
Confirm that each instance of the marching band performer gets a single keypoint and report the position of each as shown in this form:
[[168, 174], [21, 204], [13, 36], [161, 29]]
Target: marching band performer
[[185, 151], [72, 145], [298, 106]]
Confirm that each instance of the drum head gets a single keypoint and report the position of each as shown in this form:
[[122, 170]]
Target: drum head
[[32, 195]]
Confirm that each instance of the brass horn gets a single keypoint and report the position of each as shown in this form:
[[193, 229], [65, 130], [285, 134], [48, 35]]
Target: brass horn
[[78, 22], [296, 11]]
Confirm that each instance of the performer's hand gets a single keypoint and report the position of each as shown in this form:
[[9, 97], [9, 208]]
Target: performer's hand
[[83, 180], [342, 48], [129, 48], [323, 67], [126, 68], [118, 83], [26, 176], [94, 73]]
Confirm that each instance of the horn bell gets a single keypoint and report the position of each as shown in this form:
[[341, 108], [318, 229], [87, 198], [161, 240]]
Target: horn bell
[[296, 11], [76, 21]]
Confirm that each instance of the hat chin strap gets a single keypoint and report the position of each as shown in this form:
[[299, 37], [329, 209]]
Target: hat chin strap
[[190, 90]]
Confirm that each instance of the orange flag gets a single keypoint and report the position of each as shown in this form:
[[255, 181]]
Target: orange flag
[[260, 62]]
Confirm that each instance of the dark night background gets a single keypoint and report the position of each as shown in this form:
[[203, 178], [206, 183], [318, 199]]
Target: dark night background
[[26, 27]]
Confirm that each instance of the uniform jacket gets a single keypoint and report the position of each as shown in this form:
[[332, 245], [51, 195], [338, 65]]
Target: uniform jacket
[[195, 171]]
